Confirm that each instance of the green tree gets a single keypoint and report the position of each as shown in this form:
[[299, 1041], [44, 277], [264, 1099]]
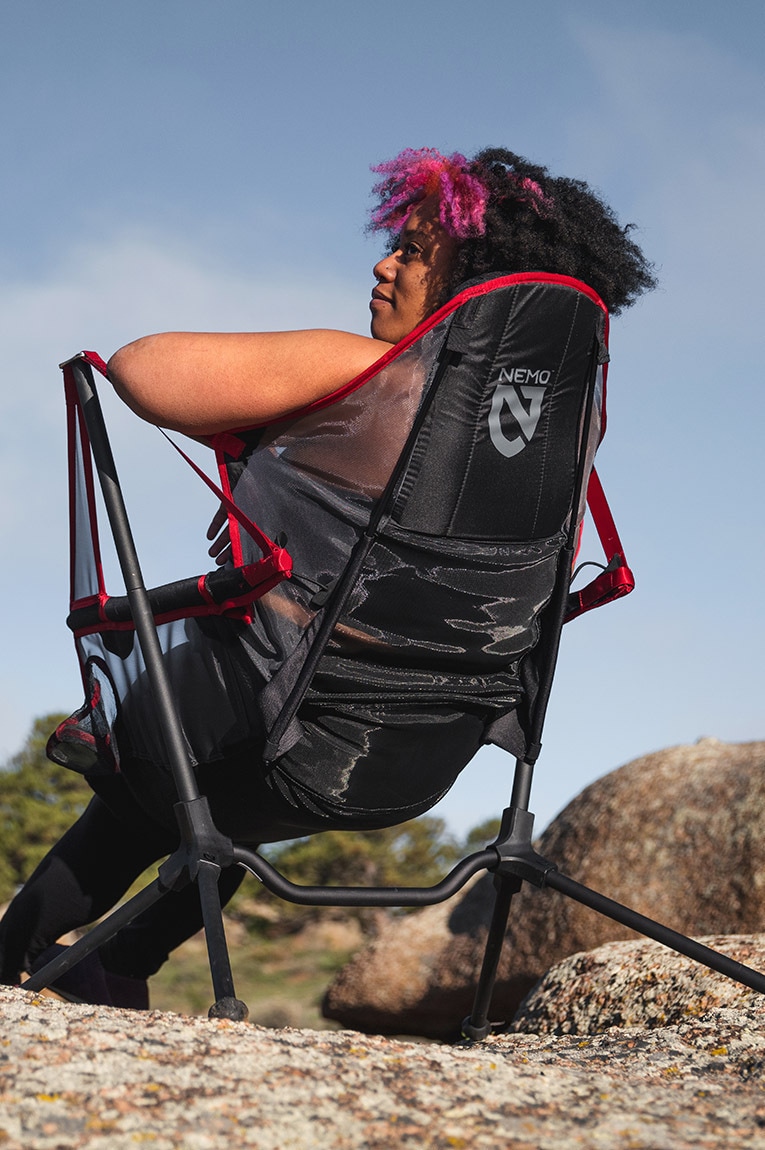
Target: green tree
[[38, 802], [479, 837], [416, 853]]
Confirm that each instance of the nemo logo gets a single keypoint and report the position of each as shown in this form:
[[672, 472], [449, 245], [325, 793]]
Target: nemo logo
[[521, 392]]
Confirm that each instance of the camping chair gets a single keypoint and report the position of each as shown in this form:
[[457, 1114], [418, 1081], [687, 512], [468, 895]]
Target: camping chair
[[452, 551]]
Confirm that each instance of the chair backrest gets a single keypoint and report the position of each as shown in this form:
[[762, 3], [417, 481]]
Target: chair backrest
[[425, 506], [446, 589]]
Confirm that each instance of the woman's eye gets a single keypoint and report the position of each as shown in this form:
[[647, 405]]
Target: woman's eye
[[412, 249]]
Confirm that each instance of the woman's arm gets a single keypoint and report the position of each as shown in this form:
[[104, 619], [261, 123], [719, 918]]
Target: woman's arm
[[202, 382]]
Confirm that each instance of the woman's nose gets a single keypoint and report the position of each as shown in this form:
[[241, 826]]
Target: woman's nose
[[385, 269]]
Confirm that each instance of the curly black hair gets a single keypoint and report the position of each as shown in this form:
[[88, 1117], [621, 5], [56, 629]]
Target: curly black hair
[[512, 216], [567, 230]]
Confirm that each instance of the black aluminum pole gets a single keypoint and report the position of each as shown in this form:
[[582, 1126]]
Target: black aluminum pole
[[657, 931], [366, 895], [91, 941], [522, 779], [140, 606], [226, 1004], [476, 1026], [195, 824]]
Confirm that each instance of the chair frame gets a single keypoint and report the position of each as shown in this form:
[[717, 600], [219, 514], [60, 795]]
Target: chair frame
[[203, 852]]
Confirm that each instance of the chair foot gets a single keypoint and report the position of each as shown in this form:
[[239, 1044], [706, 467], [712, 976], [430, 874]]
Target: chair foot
[[476, 1033], [232, 1008]]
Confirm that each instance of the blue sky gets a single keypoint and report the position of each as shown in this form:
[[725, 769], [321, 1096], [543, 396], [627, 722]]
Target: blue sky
[[193, 165]]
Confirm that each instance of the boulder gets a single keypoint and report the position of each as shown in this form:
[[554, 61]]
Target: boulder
[[637, 984], [678, 835]]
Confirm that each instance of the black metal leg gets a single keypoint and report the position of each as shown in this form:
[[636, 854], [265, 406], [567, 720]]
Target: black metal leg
[[202, 853], [477, 1026], [226, 1004], [95, 937], [519, 861], [657, 931]]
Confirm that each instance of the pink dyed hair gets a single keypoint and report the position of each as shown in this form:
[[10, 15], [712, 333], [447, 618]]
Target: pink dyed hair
[[416, 173], [413, 175]]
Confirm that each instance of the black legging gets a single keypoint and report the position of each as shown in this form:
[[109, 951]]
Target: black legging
[[359, 768], [82, 877]]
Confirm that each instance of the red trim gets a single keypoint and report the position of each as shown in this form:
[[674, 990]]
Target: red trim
[[423, 328], [229, 441], [277, 564], [224, 441], [203, 592], [398, 349]]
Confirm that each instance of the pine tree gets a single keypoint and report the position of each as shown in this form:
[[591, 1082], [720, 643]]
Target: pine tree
[[38, 802]]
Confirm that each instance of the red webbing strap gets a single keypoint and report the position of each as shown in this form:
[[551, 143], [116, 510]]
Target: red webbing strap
[[266, 545], [617, 579], [276, 563], [94, 359]]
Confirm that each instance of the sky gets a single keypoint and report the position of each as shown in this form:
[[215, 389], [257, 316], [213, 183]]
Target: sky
[[175, 164]]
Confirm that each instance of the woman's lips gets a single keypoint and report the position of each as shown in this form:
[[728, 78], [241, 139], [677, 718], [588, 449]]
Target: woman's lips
[[378, 300]]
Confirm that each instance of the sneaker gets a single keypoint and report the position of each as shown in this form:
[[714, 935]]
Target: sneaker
[[90, 982]]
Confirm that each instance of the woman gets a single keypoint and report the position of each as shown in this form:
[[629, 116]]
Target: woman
[[449, 219]]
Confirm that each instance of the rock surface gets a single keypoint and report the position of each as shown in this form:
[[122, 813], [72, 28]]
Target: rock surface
[[89, 1077], [637, 984], [678, 835]]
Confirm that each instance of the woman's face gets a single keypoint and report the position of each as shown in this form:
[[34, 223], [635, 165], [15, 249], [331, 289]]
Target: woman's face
[[411, 280]]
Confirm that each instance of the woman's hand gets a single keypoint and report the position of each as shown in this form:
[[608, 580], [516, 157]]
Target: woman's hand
[[221, 547]]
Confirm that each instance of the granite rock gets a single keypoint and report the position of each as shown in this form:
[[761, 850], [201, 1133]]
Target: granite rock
[[94, 1078], [640, 983]]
